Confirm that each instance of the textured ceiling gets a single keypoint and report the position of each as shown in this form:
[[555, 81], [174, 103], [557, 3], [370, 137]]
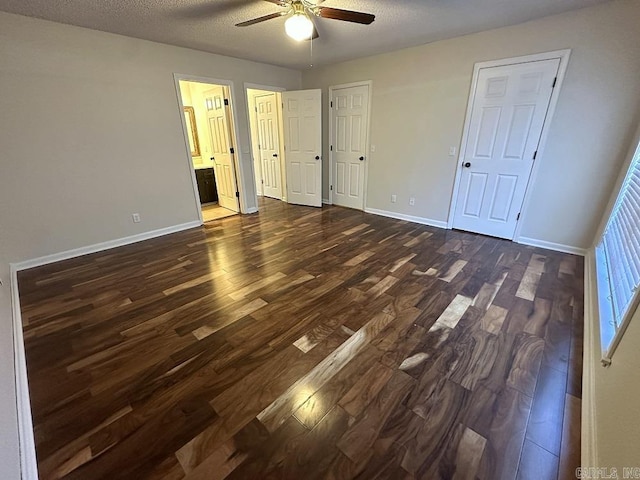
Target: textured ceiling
[[209, 24]]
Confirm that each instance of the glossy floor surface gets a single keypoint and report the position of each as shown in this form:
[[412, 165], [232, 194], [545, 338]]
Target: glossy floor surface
[[303, 343], [213, 211]]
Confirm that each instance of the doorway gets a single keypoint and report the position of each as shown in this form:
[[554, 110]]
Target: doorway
[[210, 135], [302, 117], [286, 137], [266, 129], [510, 107], [349, 124]]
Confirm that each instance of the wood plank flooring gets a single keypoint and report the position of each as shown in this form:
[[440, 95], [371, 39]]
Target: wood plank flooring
[[303, 343], [213, 211]]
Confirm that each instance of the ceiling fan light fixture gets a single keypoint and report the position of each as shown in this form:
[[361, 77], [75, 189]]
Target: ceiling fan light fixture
[[299, 26]]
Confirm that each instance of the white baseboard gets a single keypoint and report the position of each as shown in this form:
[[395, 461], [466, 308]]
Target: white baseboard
[[589, 450], [409, 218], [558, 247], [99, 247], [28, 461], [27, 445]]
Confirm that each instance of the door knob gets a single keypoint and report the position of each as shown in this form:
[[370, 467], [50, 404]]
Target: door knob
[[213, 158], [317, 157], [275, 154], [467, 164], [362, 159]]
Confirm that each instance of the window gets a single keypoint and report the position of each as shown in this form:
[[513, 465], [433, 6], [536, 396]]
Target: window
[[618, 262]]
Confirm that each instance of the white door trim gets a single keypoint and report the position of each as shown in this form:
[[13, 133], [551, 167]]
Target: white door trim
[[235, 134], [563, 56], [368, 83], [257, 86]]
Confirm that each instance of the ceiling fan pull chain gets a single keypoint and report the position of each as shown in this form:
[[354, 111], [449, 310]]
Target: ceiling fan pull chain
[[311, 52]]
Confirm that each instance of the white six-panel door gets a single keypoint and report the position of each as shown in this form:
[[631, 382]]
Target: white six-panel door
[[302, 118], [507, 117], [223, 166], [349, 122], [267, 119]]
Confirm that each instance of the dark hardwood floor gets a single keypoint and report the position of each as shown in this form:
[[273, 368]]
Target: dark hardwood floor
[[303, 343]]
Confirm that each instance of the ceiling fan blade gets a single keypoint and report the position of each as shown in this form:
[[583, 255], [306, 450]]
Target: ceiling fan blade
[[261, 19], [282, 3], [346, 15]]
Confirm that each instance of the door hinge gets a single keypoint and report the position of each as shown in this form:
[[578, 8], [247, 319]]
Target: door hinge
[[331, 148], [232, 150], [331, 103], [554, 82], [331, 187], [535, 154], [262, 181], [226, 101], [238, 194], [518, 217], [256, 109]]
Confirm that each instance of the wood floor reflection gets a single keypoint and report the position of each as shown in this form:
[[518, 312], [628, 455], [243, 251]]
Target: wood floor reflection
[[303, 343], [213, 211]]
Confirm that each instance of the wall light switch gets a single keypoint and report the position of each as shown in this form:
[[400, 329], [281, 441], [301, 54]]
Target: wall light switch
[[394, 198], [452, 151], [136, 217], [373, 148], [412, 201]]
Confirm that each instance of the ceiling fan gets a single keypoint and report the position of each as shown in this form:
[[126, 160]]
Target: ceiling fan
[[299, 25]]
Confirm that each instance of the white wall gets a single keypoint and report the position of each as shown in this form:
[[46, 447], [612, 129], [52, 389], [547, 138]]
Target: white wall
[[90, 132], [253, 128], [194, 93], [419, 102], [617, 408], [96, 117], [614, 404], [187, 101], [9, 460]]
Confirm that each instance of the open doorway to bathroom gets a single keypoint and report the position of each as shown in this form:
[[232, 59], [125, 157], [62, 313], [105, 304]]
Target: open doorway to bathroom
[[210, 134]]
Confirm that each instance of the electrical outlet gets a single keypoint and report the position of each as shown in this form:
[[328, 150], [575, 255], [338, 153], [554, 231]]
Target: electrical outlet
[[452, 151], [394, 198], [136, 217], [412, 201]]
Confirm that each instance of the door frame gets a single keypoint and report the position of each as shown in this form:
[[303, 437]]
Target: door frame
[[368, 83], [240, 174], [563, 56], [266, 88]]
